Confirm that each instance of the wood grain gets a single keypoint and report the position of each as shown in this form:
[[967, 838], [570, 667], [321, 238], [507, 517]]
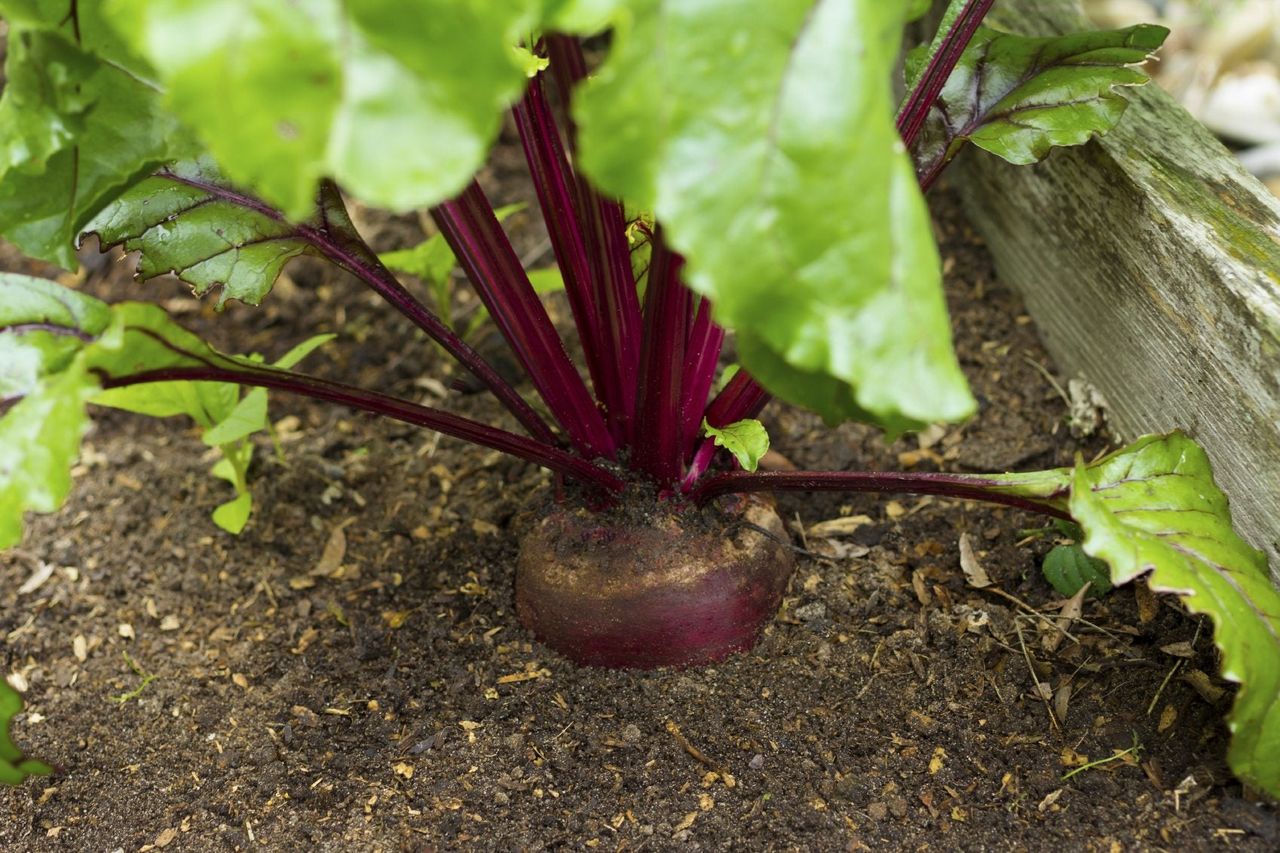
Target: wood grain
[[1151, 262]]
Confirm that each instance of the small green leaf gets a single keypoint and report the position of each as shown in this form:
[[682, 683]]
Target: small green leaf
[[546, 280], [1069, 568], [1020, 97], [530, 62], [742, 147], [1153, 508], [297, 353], [14, 766], [747, 440], [233, 515], [248, 416], [180, 224], [431, 260]]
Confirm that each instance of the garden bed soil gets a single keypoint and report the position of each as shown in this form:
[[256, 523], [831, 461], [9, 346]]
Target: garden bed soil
[[349, 673]]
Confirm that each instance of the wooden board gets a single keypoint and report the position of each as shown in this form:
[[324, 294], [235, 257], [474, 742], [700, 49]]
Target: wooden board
[[1151, 262]]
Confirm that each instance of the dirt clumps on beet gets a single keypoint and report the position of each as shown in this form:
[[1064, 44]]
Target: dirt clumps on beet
[[669, 586]]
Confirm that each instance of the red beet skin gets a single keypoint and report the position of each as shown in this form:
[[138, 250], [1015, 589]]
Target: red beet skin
[[623, 595]]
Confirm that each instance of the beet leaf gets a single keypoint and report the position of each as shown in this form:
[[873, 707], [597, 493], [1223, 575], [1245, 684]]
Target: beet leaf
[[1153, 509], [284, 93], [1020, 97], [79, 123], [773, 162]]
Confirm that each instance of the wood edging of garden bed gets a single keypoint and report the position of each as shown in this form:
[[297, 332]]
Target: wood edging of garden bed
[[1150, 261]]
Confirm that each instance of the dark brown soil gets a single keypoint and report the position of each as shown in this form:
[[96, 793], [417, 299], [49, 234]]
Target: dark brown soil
[[349, 673]]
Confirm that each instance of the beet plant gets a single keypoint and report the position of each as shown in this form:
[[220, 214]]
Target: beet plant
[[730, 167]]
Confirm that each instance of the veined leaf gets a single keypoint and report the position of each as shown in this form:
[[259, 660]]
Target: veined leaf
[[1153, 508], [79, 123], [747, 440], [14, 766], [772, 159], [1020, 97], [1068, 568], [399, 102], [185, 220]]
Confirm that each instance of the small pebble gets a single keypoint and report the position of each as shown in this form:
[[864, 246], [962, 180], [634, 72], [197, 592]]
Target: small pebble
[[631, 734], [756, 762], [812, 612]]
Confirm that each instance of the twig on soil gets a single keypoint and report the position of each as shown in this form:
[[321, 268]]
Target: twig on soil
[[1159, 690], [147, 678], [674, 730], [783, 542], [1052, 623], [1035, 678], [1176, 666], [1133, 750]]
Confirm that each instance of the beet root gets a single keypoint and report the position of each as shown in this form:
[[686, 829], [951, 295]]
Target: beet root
[[675, 590]]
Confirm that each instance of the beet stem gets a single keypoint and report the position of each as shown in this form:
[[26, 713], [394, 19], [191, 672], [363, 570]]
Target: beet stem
[[958, 486], [482, 248]]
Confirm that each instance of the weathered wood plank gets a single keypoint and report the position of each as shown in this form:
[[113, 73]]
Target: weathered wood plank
[[1151, 262]]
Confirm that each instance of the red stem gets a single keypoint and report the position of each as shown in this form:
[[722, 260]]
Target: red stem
[[604, 229], [658, 442], [483, 250], [915, 110], [702, 358], [553, 179], [741, 398], [392, 407], [343, 248], [945, 485]]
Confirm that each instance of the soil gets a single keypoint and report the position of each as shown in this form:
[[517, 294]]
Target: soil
[[349, 672]]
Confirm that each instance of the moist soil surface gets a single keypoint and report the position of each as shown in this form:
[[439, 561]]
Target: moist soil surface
[[349, 673]]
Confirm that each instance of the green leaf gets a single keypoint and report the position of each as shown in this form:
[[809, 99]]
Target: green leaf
[[184, 221], [399, 102], [1068, 568], [431, 260], [530, 62], [57, 346], [248, 416], [44, 108], [39, 440], [546, 280], [295, 355], [579, 16], [1153, 508], [233, 467], [1020, 97], [233, 515], [14, 766], [747, 440], [44, 385], [917, 8], [772, 160], [79, 124]]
